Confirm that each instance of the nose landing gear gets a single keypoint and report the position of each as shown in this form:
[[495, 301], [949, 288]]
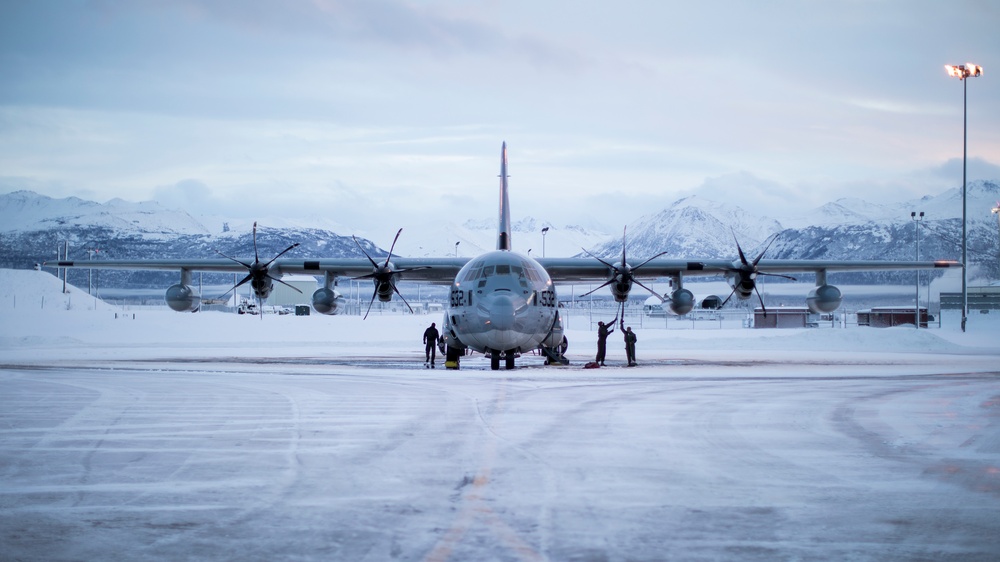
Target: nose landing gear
[[509, 356]]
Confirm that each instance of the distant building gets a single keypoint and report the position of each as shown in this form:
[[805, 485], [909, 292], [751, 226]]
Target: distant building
[[887, 316], [284, 296], [980, 298], [784, 317]]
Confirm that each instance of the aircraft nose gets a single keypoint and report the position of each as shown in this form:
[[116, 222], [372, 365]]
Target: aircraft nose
[[502, 313]]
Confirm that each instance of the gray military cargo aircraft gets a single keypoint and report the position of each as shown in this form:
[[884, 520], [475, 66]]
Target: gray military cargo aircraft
[[503, 303]]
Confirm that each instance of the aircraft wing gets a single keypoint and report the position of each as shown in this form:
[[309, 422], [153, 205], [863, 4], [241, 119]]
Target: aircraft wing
[[584, 270], [814, 266], [431, 270], [572, 270], [561, 270], [213, 265]]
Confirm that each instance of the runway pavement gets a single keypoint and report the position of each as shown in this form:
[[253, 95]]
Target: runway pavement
[[314, 458]]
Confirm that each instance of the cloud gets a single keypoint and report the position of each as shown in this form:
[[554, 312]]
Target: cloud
[[977, 169], [379, 109], [762, 196], [188, 194]]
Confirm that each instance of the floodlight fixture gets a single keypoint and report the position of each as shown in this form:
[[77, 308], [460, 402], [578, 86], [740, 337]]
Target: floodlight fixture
[[963, 71]]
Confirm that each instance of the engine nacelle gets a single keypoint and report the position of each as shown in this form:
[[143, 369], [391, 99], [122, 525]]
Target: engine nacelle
[[183, 298], [620, 289], [262, 287], [825, 298], [327, 301], [744, 288], [681, 301], [384, 291]]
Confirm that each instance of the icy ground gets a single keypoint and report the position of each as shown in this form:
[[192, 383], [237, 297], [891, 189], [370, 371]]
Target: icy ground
[[144, 434]]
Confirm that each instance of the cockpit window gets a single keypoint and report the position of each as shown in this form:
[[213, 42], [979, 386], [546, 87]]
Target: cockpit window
[[530, 271], [526, 272]]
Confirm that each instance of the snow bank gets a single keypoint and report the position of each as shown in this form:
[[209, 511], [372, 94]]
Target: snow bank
[[38, 316], [28, 291]]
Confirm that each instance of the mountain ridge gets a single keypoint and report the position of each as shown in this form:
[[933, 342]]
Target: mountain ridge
[[34, 226]]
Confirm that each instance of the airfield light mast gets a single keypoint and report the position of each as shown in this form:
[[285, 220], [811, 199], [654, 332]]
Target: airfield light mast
[[65, 278], [916, 229], [996, 211], [544, 232], [90, 273], [963, 71]]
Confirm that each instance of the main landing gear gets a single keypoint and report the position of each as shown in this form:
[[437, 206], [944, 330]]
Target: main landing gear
[[453, 357], [556, 355]]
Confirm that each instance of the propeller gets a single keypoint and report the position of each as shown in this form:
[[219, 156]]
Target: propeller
[[623, 277], [258, 274], [748, 272], [383, 275]]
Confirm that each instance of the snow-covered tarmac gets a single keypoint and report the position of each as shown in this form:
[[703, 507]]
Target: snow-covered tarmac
[[214, 436]]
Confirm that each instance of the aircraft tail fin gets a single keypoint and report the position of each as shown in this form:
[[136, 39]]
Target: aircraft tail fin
[[503, 234]]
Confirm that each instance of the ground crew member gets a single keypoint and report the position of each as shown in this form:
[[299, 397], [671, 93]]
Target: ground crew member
[[602, 340], [630, 340], [430, 345]]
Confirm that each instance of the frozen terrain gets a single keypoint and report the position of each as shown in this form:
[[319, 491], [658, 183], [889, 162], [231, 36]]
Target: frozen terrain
[[146, 434]]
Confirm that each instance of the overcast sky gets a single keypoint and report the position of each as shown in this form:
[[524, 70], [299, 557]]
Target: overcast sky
[[352, 109]]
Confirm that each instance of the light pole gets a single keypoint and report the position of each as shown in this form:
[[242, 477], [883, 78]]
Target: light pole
[[456, 247], [916, 229], [90, 274], [65, 270], [963, 71], [544, 232], [996, 211]]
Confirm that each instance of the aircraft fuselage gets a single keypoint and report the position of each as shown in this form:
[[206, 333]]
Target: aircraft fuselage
[[505, 302]]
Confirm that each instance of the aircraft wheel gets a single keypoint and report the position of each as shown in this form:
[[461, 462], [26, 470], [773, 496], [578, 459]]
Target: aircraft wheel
[[495, 360], [510, 361]]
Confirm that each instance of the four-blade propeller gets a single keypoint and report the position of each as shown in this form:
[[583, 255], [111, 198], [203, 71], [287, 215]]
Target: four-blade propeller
[[623, 276], [383, 275], [747, 273], [258, 274]]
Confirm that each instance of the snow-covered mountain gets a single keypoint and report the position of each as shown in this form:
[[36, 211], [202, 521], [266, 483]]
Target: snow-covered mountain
[[33, 226], [692, 226], [478, 236], [846, 228], [848, 210], [27, 211]]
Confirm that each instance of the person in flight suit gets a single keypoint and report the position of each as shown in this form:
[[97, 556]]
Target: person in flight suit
[[602, 340], [430, 344], [630, 340]]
